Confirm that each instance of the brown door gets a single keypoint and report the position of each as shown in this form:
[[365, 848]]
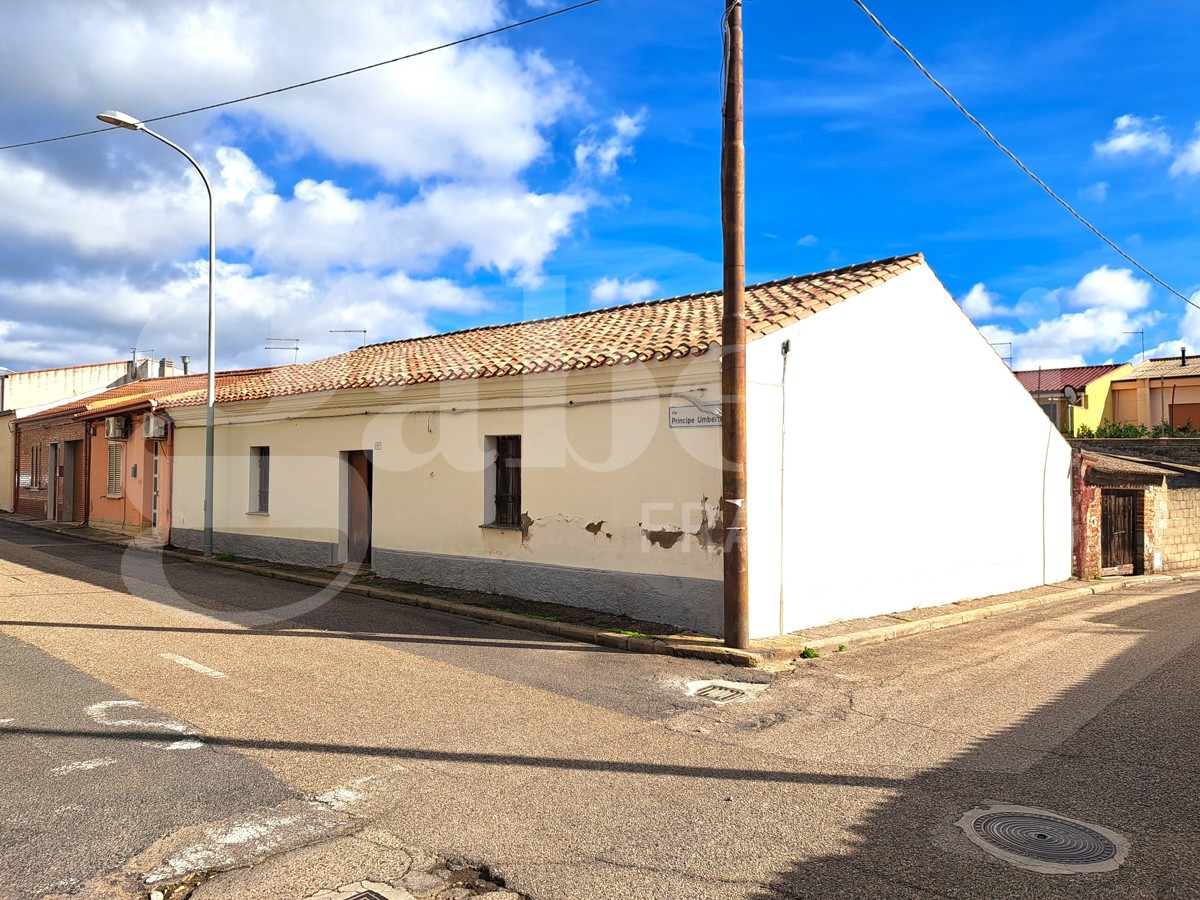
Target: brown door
[[78, 473], [358, 530], [1118, 539]]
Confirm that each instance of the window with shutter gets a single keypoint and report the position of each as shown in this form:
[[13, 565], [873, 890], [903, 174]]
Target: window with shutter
[[115, 471], [260, 479]]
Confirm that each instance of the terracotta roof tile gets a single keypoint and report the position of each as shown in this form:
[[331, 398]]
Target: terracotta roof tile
[[137, 394], [660, 329]]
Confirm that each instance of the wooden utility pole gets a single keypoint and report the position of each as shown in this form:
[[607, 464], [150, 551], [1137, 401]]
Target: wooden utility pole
[[733, 340]]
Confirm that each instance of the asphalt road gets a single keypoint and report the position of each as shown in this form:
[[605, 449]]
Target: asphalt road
[[573, 771]]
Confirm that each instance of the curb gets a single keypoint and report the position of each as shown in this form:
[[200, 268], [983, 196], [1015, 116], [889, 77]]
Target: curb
[[691, 646]]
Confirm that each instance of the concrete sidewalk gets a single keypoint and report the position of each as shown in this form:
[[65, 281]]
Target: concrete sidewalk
[[771, 653]]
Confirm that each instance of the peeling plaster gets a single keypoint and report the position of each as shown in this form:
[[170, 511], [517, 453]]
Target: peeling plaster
[[526, 524], [664, 538], [595, 527]]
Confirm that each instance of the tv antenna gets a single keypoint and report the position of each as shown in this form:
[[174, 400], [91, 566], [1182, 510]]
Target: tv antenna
[[292, 344], [1142, 332], [361, 331]]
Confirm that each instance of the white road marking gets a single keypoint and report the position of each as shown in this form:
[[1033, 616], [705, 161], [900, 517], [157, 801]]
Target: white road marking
[[6, 721], [83, 765], [193, 665], [99, 712]]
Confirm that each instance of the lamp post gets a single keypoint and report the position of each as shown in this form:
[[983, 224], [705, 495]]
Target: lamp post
[[122, 120]]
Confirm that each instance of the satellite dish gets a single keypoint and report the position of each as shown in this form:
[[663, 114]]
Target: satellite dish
[[1071, 394]]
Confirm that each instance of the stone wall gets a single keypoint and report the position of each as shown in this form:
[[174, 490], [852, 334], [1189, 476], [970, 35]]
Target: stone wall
[[1181, 537]]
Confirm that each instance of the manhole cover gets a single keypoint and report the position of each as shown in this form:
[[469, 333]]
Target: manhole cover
[[1042, 841], [719, 691]]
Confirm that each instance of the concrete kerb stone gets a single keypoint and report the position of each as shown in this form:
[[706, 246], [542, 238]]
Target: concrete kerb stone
[[686, 646]]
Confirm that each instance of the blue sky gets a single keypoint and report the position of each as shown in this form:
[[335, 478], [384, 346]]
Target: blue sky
[[574, 163]]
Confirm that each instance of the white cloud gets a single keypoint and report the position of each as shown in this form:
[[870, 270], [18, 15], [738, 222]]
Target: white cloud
[[597, 155], [1107, 288], [1187, 160], [809, 240], [1102, 307], [979, 303], [1134, 136], [337, 205], [613, 291], [1097, 192], [171, 316]]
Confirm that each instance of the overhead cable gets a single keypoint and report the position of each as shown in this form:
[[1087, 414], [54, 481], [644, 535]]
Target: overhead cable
[[991, 137], [292, 87]]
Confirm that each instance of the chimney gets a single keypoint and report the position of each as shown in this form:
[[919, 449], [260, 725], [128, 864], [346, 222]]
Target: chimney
[[166, 367], [1183, 356], [185, 360]]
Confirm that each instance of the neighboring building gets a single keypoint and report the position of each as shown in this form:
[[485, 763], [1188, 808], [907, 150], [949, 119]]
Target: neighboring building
[[1076, 396], [27, 393], [98, 461], [578, 459], [1158, 391], [1137, 506]]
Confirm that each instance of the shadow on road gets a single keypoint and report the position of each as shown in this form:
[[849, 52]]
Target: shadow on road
[[1120, 750]]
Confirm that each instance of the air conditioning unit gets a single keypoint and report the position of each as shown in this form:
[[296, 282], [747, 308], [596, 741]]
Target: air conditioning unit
[[154, 428], [115, 428]]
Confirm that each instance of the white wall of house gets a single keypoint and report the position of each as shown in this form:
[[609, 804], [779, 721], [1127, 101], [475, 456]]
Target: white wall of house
[[608, 486], [874, 483], [896, 492]]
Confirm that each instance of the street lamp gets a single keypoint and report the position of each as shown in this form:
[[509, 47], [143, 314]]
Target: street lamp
[[122, 120]]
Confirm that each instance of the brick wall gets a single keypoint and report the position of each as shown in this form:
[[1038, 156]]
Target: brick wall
[[33, 487]]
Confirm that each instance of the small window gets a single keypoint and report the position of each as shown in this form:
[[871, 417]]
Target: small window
[[508, 480], [260, 479], [115, 470]]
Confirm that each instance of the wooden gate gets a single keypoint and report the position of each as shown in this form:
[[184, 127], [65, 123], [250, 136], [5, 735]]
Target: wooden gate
[[1118, 535]]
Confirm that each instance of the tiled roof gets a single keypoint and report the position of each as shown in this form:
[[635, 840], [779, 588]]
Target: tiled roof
[[137, 394], [1167, 367], [656, 330], [1043, 380]]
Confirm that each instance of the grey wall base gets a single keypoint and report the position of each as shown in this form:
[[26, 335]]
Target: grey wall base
[[694, 603], [317, 554]]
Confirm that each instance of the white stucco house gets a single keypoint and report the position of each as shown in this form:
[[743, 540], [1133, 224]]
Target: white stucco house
[[577, 459]]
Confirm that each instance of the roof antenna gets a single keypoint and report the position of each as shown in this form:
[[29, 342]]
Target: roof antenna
[[281, 344], [361, 331]]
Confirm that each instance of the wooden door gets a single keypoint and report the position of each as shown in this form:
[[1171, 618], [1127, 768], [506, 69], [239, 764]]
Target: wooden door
[[358, 519], [78, 475], [1118, 540]]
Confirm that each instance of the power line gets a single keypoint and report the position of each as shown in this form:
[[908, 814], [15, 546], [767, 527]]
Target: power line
[[292, 87], [991, 137]]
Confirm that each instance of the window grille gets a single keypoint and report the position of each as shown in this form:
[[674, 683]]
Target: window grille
[[508, 480]]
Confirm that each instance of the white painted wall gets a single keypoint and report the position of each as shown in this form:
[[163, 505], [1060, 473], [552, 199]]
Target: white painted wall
[[897, 491], [597, 449]]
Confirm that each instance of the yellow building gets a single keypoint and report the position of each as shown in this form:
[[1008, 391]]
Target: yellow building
[[1076, 396]]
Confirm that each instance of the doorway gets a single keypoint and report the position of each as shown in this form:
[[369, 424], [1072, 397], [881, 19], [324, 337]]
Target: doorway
[[1120, 529], [73, 484], [358, 477]]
